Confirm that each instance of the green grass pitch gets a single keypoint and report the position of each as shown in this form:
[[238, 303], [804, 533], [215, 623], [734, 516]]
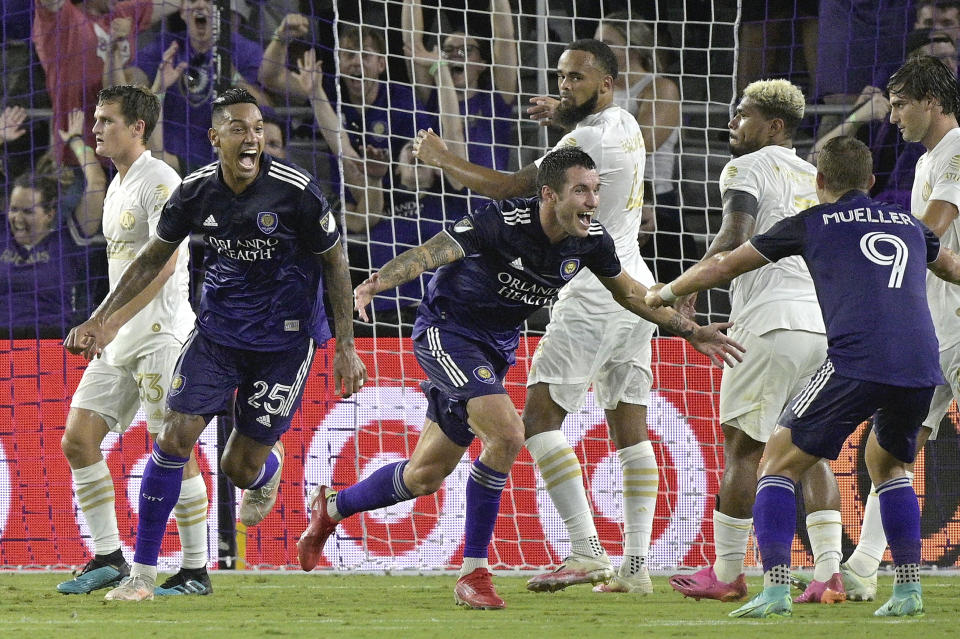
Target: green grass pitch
[[327, 605]]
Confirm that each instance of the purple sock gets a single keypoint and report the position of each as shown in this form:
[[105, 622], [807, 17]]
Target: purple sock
[[484, 488], [383, 488], [900, 514], [774, 519], [159, 492], [267, 471]]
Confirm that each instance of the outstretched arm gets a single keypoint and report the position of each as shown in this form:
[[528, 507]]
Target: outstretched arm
[[438, 250], [505, 58], [708, 273], [89, 211], [946, 266], [630, 294], [349, 372], [428, 147]]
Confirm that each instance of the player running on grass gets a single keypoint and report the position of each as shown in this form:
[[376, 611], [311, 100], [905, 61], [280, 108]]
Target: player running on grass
[[269, 235], [494, 268], [869, 261]]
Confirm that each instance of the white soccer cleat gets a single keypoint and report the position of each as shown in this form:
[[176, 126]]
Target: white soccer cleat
[[638, 584], [858, 588], [575, 569], [256, 504], [134, 588]]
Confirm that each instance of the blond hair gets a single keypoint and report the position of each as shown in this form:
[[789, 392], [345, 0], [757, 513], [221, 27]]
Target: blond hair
[[778, 99]]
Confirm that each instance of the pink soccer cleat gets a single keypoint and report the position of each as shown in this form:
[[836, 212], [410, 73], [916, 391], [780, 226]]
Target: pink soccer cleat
[[704, 584], [825, 592], [476, 591], [322, 525]]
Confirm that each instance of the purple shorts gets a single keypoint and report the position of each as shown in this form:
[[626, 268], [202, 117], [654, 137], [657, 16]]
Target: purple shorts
[[458, 370], [268, 385], [831, 407]]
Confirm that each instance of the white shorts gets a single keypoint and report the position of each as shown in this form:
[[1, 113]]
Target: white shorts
[[945, 394], [580, 348], [116, 392], [775, 367]]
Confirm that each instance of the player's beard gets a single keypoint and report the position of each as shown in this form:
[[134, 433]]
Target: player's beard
[[568, 117]]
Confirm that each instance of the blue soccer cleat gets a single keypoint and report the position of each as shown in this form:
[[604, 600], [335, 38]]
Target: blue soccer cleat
[[774, 601], [189, 581], [906, 601], [100, 572]]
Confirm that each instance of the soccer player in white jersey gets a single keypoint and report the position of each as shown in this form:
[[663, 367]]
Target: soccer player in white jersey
[[777, 318], [135, 370], [590, 339], [924, 104]]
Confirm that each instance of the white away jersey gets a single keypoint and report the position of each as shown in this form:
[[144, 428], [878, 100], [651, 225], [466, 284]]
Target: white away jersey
[[937, 177], [779, 295], [130, 214], [613, 139]]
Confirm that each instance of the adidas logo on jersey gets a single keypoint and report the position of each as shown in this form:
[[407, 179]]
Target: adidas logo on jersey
[[264, 420], [210, 221], [517, 264]]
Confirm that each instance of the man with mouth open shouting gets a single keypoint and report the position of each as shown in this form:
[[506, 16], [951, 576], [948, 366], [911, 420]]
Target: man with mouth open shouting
[[494, 267], [269, 235], [590, 338]]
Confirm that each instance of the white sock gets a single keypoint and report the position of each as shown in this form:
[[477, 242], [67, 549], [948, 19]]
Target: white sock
[[97, 500], [825, 529], [561, 473], [730, 537], [641, 479], [191, 514], [868, 554], [472, 563], [143, 570]]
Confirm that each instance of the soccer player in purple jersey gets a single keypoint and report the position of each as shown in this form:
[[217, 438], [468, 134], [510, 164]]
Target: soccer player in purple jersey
[[269, 235], [868, 261], [494, 268]]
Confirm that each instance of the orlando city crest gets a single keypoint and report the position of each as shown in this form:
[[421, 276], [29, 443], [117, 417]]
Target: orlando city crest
[[569, 268], [484, 374], [177, 384], [267, 221]]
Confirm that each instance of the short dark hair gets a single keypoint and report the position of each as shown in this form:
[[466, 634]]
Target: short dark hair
[[270, 117], [846, 164], [923, 77], [553, 167], [136, 103], [47, 185], [359, 35], [231, 97], [603, 55]]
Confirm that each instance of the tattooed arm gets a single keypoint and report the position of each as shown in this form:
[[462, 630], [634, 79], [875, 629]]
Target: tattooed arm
[[438, 250], [630, 294]]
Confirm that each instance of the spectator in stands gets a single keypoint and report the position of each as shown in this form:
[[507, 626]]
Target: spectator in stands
[[418, 207], [188, 92], [768, 33], [73, 42], [11, 128], [42, 276], [486, 82], [654, 100], [274, 134], [940, 15]]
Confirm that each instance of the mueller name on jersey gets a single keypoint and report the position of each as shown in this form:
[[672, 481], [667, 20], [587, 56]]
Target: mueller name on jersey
[[867, 214], [250, 250]]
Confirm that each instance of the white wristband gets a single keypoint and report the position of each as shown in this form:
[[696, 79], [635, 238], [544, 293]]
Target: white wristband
[[667, 295]]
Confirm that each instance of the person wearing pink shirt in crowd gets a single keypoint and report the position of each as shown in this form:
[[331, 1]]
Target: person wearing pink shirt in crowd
[[74, 41]]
